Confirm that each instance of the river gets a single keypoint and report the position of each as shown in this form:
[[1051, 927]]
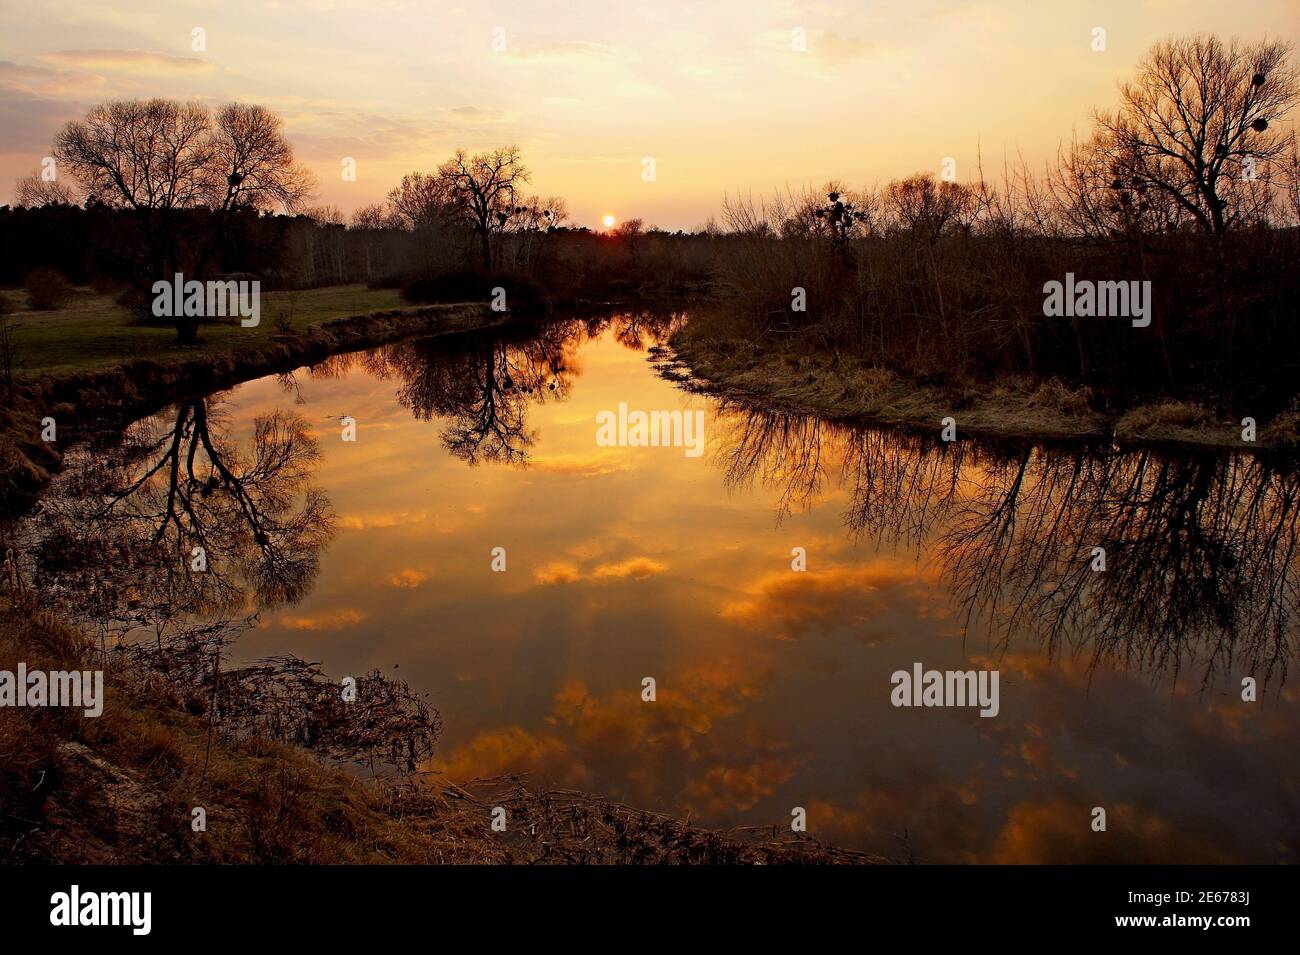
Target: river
[[1119, 688]]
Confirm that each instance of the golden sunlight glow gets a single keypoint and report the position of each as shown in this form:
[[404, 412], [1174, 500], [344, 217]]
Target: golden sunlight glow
[[609, 221]]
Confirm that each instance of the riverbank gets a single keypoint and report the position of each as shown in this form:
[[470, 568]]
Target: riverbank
[[123, 787], [91, 328], [78, 398], [789, 374]]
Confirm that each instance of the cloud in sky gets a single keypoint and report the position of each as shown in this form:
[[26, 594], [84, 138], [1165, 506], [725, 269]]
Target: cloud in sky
[[29, 123], [557, 572], [635, 568], [326, 620], [870, 596], [129, 61], [408, 577]]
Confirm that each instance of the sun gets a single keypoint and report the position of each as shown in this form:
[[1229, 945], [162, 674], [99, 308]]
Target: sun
[[609, 221]]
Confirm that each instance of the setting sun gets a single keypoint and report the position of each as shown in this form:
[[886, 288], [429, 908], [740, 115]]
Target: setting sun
[[608, 221]]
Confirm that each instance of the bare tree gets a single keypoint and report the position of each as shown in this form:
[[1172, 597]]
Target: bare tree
[[254, 165], [530, 223], [629, 232], [251, 167], [367, 223], [483, 188], [1092, 196], [149, 156], [141, 154], [421, 201], [371, 218], [1290, 179], [32, 192], [926, 207], [1197, 123], [158, 156]]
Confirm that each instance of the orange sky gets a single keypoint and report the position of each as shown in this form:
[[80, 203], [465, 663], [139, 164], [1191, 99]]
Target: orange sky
[[717, 94]]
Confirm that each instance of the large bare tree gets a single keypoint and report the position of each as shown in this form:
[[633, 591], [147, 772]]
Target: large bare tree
[[157, 157], [1200, 123], [484, 189]]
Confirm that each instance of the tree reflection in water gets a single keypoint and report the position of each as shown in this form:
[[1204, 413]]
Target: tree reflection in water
[[482, 386], [1200, 550], [115, 541], [113, 547]]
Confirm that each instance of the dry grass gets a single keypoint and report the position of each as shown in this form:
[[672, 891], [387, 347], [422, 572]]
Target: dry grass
[[1284, 430], [842, 387], [1167, 421], [793, 374]]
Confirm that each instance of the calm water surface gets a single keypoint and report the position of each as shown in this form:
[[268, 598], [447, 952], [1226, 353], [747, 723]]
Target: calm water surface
[[1118, 689]]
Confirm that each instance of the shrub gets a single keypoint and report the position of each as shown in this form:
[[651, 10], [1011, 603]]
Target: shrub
[[47, 290], [139, 302]]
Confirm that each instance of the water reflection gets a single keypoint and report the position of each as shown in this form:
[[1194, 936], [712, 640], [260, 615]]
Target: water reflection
[[1200, 552], [480, 387], [174, 519]]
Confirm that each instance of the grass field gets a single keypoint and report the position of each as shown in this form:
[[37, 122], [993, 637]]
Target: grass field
[[93, 331]]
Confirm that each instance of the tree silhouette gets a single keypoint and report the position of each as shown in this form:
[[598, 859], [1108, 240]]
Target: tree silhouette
[[484, 188], [158, 158], [1198, 110]]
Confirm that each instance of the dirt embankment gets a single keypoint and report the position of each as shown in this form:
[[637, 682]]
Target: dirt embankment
[[138, 386]]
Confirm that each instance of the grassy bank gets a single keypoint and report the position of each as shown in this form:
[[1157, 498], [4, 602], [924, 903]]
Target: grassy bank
[[83, 382], [93, 331], [122, 787], [797, 373]]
